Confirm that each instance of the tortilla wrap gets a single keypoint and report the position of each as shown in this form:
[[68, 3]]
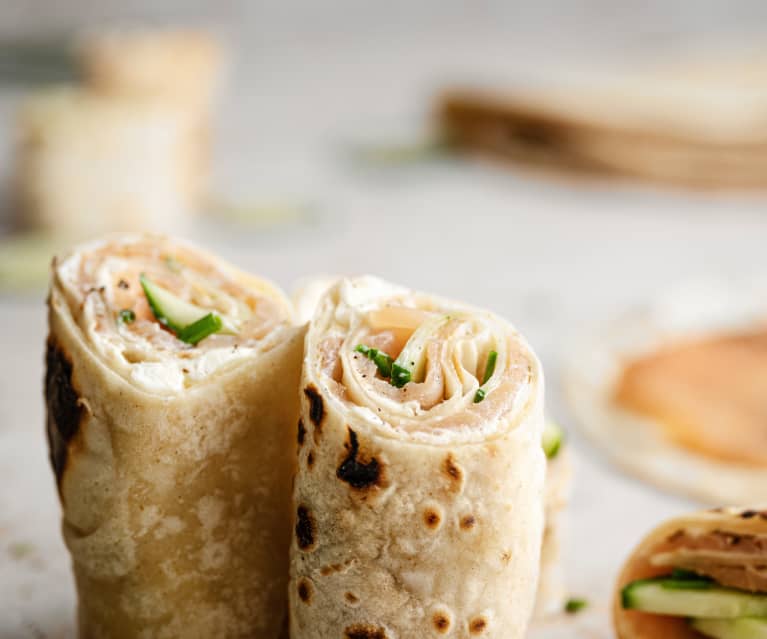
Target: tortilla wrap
[[551, 586], [638, 443], [552, 589], [89, 164], [726, 544], [173, 462], [181, 68], [698, 123], [418, 511]]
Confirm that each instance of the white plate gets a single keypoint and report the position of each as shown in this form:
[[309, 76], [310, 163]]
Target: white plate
[[635, 443]]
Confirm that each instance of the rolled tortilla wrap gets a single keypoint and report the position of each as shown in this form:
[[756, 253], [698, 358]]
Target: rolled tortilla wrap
[[552, 589], [418, 512], [173, 461], [88, 164], [727, 545], [180, 68]]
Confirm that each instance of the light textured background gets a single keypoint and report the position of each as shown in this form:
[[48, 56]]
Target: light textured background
[[556, 257]]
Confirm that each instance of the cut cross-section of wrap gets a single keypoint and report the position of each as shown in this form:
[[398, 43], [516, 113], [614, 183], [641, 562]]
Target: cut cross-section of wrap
[[418, 497], [171, 396], [700, 575]]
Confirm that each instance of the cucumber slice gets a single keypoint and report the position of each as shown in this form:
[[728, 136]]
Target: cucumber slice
[[744, 628], [173, 312], [409, 366], [692, 598], [553, 435]]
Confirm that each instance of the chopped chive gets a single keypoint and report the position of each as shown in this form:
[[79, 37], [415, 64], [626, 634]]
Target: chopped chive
[[575, 605], [402, 153], [202, 328], [173, 264], [20, 549], [492, 357], [400, 376], [553, 436], [126, 316], [382, 361]]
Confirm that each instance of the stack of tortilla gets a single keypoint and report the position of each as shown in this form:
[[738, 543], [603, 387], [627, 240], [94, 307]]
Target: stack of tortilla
[[699, 123]]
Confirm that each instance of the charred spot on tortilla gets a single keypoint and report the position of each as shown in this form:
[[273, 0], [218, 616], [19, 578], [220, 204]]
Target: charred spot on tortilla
[[65, 413], [306, 529], [748, 514], [441, 622], [365, 631], [676, 535], [453, 472], [478, 625], [305, 590], [310, 460], [351, 598], [355, 470], [468, 522], [731, 539], [535, 133], [301, 432], [432, 518], [329, 570], [316, 407]]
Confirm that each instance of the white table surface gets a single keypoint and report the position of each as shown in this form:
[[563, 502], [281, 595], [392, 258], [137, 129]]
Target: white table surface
[[556, 257]]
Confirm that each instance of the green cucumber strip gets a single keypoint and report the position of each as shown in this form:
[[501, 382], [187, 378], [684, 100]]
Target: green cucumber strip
[[202, 328], [382, 361], [409, 366], [492, 358], [688, 575], [553, 435], [744, 628], [692, 598], [687, 584], [169, 309], [575, 605], [175, 313]]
